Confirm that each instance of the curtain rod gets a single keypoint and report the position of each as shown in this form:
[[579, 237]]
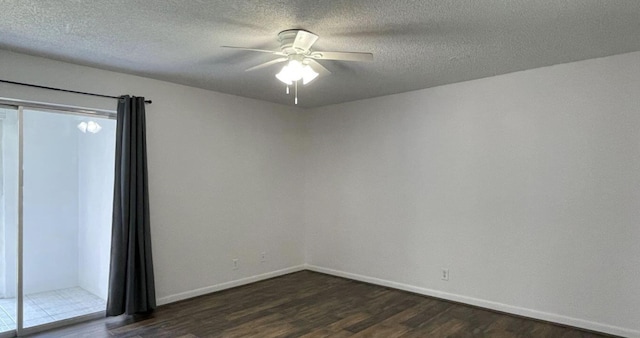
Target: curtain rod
[[64, 90]]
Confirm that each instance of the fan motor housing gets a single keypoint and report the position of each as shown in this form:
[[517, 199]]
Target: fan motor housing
[[286, 39]]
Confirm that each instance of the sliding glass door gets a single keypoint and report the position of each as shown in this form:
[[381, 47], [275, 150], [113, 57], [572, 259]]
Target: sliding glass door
[[55, 229], [8, 219]]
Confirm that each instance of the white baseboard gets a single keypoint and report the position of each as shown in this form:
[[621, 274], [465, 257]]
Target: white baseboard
[[551, 317], [219, 287]]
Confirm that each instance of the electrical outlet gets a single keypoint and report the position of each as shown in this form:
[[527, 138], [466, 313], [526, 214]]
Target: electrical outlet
[[445, 274], [235, 264], [263, 257]]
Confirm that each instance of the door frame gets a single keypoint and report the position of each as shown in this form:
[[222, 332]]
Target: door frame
[[21, 105]]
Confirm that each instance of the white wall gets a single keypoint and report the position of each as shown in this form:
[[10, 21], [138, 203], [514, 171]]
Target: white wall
[[526, 186], [226, 173], [50, 202], [95, 201]]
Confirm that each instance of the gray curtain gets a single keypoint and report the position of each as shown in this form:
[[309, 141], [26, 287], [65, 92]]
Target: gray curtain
[[131, 284]]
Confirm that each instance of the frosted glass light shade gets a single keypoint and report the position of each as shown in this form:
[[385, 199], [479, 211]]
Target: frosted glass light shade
[[294, 71], [284, 77], [308, 74]]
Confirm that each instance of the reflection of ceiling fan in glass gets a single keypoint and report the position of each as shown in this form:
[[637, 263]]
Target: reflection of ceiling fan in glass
[[91, 126], [295, 45]]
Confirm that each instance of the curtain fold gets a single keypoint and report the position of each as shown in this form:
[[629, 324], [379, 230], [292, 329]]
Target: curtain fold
[[131, 281]]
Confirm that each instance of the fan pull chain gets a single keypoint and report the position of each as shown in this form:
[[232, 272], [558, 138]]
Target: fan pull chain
[[296, 100]]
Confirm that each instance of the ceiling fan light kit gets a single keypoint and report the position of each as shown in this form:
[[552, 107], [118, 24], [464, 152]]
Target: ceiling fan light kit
[[295, 70], [295, 45]]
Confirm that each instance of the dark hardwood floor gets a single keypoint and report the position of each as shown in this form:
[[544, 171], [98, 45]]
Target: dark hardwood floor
[[309, 304]]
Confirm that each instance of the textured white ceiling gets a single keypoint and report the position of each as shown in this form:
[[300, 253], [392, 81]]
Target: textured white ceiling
[[416, 44]]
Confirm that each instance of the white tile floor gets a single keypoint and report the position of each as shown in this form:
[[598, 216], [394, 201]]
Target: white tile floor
[[45, 307]]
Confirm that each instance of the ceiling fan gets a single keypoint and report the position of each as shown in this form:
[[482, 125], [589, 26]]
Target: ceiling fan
[[302, 64]]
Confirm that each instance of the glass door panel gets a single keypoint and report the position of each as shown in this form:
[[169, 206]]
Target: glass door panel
[[9, 164], [68, 163]]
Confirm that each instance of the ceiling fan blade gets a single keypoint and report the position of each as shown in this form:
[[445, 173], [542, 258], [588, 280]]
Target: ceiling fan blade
[[257, 50], [342, 56], [315, 65], [304, 40], [266, 64]]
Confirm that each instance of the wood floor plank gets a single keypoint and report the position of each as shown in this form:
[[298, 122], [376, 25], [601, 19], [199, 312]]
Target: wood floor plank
[[313, 305]]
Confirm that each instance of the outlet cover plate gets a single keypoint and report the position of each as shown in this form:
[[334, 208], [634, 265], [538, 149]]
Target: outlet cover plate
[[445, 274]]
